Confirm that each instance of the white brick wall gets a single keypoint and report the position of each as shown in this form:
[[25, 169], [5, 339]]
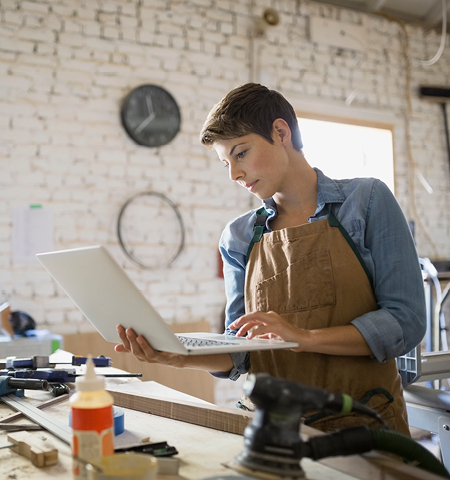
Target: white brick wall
[[66, 67]]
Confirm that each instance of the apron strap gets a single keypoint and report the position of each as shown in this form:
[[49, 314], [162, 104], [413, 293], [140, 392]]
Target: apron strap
[[258, 230], [334, 222], [260, 224]]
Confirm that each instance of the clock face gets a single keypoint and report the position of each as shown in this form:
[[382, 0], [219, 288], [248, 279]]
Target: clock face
[[151, 116]]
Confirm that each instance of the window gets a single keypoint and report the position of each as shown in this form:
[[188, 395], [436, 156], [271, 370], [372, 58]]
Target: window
[[345, 150]]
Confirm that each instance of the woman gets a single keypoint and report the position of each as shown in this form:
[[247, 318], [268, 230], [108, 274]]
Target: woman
[[329, 264]]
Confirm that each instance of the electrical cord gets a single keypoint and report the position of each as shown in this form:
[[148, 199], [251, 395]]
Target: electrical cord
[[357, 440], [432, 61], [344, 404], [352, 95], [361, 408], [414, 168]]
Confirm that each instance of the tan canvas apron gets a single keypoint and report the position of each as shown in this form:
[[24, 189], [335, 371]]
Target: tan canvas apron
[[310, 275]]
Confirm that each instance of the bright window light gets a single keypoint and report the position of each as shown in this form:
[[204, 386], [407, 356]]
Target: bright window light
[[342, 150]]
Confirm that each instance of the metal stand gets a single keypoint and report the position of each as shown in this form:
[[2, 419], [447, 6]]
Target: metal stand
[[428, 408]]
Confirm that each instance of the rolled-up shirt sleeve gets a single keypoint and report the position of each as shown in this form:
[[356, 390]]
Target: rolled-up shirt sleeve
[[400, 323], [241, 362]]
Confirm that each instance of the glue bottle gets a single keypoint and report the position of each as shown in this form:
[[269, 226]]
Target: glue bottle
[[92, 421]]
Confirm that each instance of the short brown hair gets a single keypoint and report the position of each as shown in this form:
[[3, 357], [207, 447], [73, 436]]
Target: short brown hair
[[250, 108]]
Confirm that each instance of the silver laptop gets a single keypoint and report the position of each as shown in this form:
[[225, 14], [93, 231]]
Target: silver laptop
[[107, 297]]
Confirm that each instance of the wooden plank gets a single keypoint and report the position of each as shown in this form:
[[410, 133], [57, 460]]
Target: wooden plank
[[42, 453], [376, 466], [198, 413]]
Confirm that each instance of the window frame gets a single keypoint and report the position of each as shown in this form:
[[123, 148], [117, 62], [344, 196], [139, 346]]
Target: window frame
[[332, 111]]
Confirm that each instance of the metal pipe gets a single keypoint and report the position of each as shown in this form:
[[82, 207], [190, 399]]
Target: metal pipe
[[27, 383], [444, 111]]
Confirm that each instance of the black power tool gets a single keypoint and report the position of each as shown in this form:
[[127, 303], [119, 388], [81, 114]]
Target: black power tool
[[272, 442], [273, 447]]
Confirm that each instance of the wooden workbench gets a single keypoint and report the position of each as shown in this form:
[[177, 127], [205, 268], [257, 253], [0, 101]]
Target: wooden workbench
[[202, 451]]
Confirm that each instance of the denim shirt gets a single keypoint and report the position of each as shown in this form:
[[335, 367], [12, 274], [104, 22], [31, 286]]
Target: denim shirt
[[369, 212]]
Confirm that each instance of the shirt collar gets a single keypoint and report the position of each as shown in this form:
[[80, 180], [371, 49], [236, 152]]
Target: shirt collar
[[329, 191]]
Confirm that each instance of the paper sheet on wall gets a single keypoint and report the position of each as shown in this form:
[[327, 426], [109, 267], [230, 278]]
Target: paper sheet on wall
[[32, 233]]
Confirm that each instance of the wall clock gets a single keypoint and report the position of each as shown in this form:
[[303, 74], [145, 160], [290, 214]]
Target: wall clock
[[150, 115]]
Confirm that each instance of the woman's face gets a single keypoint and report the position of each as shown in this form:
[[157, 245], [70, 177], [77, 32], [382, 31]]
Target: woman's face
[[254, 163]]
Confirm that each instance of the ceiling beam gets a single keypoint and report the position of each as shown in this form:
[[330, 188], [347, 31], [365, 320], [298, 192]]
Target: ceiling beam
[[375, 5], [404, 11], [433, 18]]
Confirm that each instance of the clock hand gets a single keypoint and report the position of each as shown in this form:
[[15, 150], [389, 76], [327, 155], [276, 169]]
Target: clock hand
[[148, 99], [144, 123]]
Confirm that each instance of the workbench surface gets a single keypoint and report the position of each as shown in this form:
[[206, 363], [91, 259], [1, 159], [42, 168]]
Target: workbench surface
[[202, 451]]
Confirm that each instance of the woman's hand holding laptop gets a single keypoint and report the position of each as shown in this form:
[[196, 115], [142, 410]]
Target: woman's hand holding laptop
[[139, 347]]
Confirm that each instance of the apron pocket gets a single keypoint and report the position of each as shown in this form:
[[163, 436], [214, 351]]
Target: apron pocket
[[307, 284]]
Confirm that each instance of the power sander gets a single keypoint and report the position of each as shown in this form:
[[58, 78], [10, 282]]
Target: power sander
[[272, 442], [273, 447]]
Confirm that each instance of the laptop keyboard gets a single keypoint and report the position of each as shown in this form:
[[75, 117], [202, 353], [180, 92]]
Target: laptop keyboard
[[200, 342]]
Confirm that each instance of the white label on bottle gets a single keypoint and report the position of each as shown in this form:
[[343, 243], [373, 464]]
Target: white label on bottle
[[90, 449]]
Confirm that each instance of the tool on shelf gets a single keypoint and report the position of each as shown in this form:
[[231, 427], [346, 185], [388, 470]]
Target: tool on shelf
[[168, 464], [42, 453], [164, 452], [157, 449], [56, 380], [18, 385], [58, 389], [43, 361], [15, 427], [56, 375]]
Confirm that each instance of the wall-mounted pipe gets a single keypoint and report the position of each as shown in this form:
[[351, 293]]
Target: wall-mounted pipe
[[442, 96], [269, 18]]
